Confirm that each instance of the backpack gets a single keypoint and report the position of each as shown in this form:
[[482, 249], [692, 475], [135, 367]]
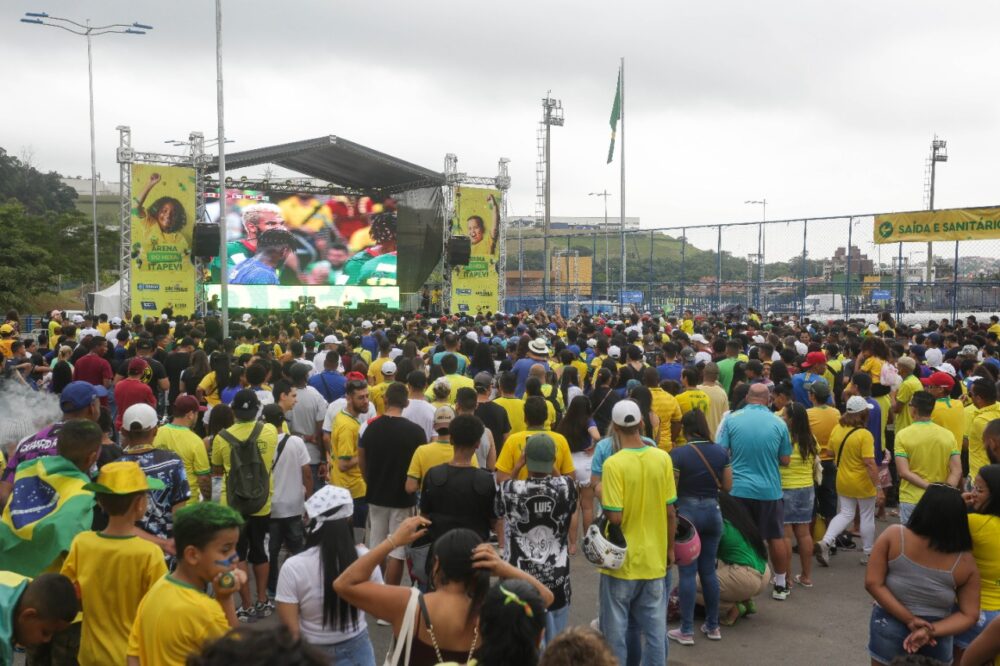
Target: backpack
[[553, 399], [248, 485]]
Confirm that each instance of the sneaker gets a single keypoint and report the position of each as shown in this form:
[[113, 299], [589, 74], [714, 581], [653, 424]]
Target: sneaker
[[780, 592], [711, 634], [822, 552], [245, 614], [683, 639], [864, 559], [751, 607], [264, 608]]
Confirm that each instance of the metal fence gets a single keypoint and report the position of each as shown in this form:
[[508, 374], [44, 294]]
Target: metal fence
[[819, 266]]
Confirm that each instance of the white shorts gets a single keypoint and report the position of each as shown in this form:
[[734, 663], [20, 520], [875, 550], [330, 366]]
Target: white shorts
[[382, 522], [581, 461]]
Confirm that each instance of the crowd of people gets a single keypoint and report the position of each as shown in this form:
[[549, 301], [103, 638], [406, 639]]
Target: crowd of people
[[441, 473]]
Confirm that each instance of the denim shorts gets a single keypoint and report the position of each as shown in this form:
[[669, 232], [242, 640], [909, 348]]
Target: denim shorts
[[886, 635], [799, 505], [964, 639]]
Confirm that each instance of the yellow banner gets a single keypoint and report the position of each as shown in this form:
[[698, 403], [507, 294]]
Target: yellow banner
[[163, 218], [475, 288], [953, 224]]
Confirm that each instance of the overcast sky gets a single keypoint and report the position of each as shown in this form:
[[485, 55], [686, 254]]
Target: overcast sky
[[823, 108]]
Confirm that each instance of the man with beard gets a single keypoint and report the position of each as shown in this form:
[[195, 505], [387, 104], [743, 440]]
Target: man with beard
[[257, 219]]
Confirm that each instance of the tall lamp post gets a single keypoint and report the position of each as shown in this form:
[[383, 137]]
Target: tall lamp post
[[88, 31], [607, 251], [760, 242], [552, 114], [939, 153]]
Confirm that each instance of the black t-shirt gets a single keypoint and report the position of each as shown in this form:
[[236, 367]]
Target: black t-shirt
[[175, 364], [458, 497], [495, 418], [389, 443]]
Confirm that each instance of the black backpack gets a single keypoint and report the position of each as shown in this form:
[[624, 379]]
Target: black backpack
[[248, 485]]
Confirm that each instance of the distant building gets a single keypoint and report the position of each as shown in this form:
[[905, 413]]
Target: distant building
[[83, 186], [581, 223], [859, 263]]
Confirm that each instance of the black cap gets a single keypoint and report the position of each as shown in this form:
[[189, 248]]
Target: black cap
[[246, 404], [144, 343]]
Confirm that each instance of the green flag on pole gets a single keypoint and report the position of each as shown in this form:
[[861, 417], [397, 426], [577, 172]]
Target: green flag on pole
[[616, 113]]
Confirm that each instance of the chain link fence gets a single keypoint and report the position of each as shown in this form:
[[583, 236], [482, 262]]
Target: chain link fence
[[824, 267]]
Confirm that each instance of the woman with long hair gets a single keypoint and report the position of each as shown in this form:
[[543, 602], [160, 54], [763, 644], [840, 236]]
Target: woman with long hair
[[236, 382], [481, 361], [650, 421], [798, 487], [984, 526], [874, 355], [210, 387], [603, 399], [510, 624], [62, 370], [569, 384], [308, 604], [580, 431], [702, 470], [915, 574], [779, 373], [194, 373], [444, 623]]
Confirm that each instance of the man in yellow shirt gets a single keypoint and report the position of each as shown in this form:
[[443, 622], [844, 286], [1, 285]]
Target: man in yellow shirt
[[906, 366], [948, 413], [250, 548], [535, 414], [344, 435], [376, 394], [449, 364], [432, 454], [383, 357], [925, 454], [822, 420], [984, 397], [513, 405], [666, 408], [177, 436], [177, 617], [638, 494], [691, 397], [718, 400]]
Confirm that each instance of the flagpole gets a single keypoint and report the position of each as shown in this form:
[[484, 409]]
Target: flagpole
[[622, 220]]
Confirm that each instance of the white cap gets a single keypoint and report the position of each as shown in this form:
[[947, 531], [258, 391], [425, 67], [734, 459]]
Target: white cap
[[801, 347], [247, 316], [173, 324], [138, 418], [759, 339], [933, 357], [872, 328], [116, 321], [163, 316], [699, 338], [77, 319], [948, 368], [487, 330], [857, 404], [313, 325], [614, 351], [471, 335], [704, 356], [331, 340], [366, 324], [388, 368], [626, 413], [591, 342]]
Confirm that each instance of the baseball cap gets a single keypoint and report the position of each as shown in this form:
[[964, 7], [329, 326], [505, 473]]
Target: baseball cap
[[6, 328], [626, 413], [813, 358], [614, 351], [856, 404], [185, 404], [918, 351], [482, 380], [245, 404], [116, 321], [969, 350], [819, 388], [247, 316], [539, 453], [699, 338], [137, 366], [355, 376], [144, 343], [123, 477], [366, 324], [139, 418], [939, 378], [471, 335], [79, 395], [443, 415], [331, 340], [388, 368], [933, 357], [948, 368]]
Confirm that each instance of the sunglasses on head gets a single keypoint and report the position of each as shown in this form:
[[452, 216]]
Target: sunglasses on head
[[356, 385]]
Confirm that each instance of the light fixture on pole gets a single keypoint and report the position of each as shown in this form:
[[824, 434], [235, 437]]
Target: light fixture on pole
[[552, 114], [939, 153], [88, 31], [761, 238], [221, 138], [607, 247]]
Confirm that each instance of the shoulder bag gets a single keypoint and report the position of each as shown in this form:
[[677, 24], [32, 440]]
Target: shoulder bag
[[404, 641]]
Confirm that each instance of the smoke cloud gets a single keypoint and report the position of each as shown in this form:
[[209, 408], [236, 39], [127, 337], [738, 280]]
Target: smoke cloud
[[24, 412]]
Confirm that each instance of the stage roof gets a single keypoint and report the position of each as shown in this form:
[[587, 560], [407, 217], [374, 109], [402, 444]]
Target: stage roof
[[341, 162]]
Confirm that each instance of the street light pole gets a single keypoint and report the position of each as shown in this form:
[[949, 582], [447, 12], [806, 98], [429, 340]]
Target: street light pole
[[761, 240], [88, 31], [939, 153], [607, 245], [223, 248]]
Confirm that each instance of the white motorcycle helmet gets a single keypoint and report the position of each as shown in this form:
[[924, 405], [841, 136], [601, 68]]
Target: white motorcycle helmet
[[604, 544]]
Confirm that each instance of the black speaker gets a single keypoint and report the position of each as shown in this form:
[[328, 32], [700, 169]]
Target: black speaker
[[205, 241], [459, 249]]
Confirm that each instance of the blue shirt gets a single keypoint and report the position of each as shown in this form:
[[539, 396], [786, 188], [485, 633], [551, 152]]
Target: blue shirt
[[693, 477], [670, 371], [800, 392], [253, 271], [603, 451], [436, 360], [521, 368], [756, 438], [370, 343], [330, 384], [875, 427]]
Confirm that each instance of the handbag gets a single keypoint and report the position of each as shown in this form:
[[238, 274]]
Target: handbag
[[840, 451], [715, 477], [404, 641]]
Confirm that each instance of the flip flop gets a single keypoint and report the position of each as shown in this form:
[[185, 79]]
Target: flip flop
[[798, 581]]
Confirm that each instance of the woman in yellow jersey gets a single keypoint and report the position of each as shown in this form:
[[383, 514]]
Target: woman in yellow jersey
[[210, 388], [984, 525], [797, 481], [874, 354]]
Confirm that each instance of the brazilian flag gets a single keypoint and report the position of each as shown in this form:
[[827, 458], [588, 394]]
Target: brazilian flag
[[12, 586], [47, 508]]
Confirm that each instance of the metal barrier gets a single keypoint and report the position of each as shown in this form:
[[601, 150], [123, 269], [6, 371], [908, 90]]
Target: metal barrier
[[825, 267]]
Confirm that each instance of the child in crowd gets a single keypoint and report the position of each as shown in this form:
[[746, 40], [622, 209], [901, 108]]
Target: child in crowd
[[176, 617], [115, 554], [32, 611]]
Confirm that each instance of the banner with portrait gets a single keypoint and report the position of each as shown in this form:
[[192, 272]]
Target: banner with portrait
[[163, 217], [475, 287]]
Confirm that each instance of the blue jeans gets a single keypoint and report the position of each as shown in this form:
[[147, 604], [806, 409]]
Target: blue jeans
[[633, 618], [886, 635], [555, 623], [704, 514], [355, 651]]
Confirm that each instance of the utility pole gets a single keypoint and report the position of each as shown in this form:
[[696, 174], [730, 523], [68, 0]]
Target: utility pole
[[607, 245], [939, 153], [552, 114]]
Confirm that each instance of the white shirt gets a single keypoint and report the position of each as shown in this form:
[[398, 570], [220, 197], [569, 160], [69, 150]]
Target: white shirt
[[572, 392], [301, 583], [337, 406], [421, 412], [308, 411], [288, 499]]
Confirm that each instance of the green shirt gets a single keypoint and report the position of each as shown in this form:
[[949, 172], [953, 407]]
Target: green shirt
[[734, 549], [726, 372]]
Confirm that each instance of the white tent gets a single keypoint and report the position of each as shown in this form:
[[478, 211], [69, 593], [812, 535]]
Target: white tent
[[108, 301]]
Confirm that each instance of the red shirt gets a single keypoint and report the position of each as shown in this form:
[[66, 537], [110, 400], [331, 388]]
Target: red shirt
[[93, 369], [130, 392]]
